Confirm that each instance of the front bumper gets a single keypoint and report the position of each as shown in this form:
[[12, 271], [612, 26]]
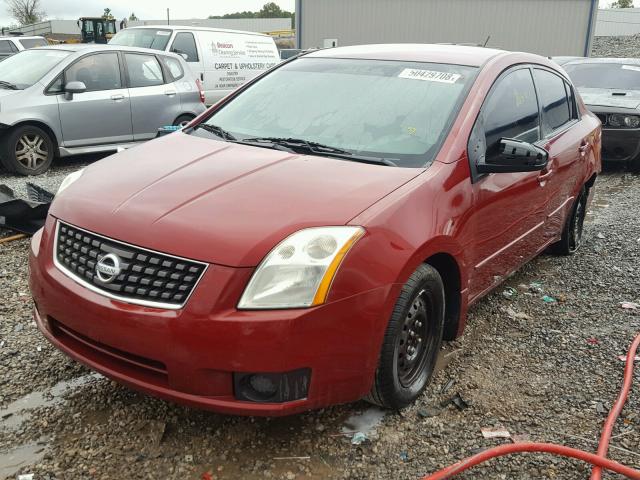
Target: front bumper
[[190, 355], [620, 145]]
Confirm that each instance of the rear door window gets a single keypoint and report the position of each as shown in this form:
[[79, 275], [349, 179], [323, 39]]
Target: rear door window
[[511, 111], [556, 111], [143, 70], [185, 44]]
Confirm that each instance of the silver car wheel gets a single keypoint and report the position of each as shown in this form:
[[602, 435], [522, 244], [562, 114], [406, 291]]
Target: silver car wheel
[[31, 151], [184, 123]]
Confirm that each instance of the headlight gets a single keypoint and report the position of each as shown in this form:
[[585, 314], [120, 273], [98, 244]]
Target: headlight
[[299, 270], [621, 120], [69, 179]]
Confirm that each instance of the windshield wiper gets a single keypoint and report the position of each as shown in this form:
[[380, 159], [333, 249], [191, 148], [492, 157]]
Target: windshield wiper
[[318, 148], [8, 85], [216, 130]]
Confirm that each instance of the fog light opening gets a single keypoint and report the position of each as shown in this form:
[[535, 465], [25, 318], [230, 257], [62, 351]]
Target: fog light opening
[[272, 387]]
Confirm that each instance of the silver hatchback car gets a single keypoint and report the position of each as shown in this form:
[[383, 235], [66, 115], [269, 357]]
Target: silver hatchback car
[[74, 99]]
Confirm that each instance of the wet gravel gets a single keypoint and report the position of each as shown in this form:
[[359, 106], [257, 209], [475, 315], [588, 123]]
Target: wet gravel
[[547, 371]]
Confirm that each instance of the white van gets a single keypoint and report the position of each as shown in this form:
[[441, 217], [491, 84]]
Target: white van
[[222, 59]]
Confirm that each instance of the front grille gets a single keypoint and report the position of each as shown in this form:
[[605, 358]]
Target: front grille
[[145, 277]]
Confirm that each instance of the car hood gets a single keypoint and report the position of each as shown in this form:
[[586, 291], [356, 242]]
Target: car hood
[[604, 97], [219, 202]]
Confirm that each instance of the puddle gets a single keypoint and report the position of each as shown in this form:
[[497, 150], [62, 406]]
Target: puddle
[[28, 454], [18, 411], [365, 422]]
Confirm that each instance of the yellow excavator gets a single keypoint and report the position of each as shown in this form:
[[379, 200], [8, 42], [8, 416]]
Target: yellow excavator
[[97, 29]]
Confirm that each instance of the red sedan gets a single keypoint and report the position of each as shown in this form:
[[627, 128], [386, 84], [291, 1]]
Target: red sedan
[[314, 237]]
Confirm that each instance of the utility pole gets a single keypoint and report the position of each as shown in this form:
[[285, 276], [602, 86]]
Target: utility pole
[[168, 22]]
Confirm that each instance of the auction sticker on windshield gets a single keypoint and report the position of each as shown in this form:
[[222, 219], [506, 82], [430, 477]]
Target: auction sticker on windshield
[[429, 75]]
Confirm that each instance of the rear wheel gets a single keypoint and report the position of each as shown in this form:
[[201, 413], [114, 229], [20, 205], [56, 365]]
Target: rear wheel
[[27, 150], [572, 234], [183, 120], [412, 341]]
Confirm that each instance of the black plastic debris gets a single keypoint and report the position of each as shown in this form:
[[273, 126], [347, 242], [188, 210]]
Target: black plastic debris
[[24, 216], [457, 401]]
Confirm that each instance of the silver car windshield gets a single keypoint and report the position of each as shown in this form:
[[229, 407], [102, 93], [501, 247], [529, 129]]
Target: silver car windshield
[[27, 67], [393, 110], [142, 37]]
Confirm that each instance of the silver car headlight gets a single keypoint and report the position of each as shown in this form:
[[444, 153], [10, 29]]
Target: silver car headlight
[[299, 271], [621, 120], [69, 179]]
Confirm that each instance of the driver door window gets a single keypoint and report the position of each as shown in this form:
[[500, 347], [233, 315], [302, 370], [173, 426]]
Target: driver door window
[[97, 72], [185, 44], [511, 111]]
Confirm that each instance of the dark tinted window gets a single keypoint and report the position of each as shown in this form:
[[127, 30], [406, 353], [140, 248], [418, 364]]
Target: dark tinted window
[[144, 70], [573, 108], [33, 42], [553, 99], [604, 75], [184, 43], [511, 111], [97, 72], [5, 47]]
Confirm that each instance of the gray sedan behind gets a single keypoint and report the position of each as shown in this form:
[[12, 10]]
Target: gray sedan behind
[[75, 99]]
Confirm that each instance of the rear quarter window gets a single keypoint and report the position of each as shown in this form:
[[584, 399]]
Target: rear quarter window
[[174, 67], [33, 42]]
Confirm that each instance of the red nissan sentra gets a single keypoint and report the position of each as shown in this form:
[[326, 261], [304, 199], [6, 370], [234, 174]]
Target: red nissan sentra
[[313, 237]]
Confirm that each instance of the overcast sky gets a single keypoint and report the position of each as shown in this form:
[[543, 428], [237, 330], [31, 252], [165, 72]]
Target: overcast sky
[[144, 9], [156, 9]]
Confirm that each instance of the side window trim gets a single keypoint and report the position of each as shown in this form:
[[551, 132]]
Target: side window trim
[[573, 118]]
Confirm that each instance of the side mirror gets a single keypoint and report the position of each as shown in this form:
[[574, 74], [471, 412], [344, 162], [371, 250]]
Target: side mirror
[[73, 87], [514, 156]]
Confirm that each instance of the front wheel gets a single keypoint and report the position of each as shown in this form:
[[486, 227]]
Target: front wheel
[[411, 342], [27, 150], [183, 120]]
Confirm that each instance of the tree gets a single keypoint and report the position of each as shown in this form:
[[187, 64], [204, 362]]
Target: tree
[[272, 10], [132, 17], [622, 4], [107, 14], [25, 12]]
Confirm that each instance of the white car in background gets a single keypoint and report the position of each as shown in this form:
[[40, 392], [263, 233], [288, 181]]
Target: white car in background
[[222, 59], [14, 44]]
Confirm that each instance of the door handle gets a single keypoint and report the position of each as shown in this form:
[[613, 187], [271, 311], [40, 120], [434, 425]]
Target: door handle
[[170, 93], [117, 98], [584, 148], [543, 177], [202, 76]]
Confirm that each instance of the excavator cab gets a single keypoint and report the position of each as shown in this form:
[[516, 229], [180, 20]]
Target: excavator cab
[[96, 29]]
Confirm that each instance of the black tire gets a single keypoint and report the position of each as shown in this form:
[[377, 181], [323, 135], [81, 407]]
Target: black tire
[[417, 322], [182, 120], [572, 233], [27, 150]]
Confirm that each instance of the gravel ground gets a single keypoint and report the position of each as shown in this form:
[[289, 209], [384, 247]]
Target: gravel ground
[[548, 371], [622, 46]]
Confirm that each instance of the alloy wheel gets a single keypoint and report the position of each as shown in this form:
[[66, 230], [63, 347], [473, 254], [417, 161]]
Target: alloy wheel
[[31, 151]]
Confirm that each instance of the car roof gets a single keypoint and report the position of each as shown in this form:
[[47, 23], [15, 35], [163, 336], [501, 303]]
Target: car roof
[[92, 47], [190, 27], [413, 52]]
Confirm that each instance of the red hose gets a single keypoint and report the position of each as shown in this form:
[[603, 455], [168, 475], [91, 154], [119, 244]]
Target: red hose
[[605, 438], [599, 459]]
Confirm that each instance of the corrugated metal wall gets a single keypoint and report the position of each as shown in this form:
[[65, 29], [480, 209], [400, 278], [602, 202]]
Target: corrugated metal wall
[[548, 27], [618, 21], [246, 24]]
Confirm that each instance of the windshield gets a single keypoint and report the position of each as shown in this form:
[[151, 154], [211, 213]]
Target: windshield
[[617, 76], [400, 111], [142, 37], [27, 67]]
